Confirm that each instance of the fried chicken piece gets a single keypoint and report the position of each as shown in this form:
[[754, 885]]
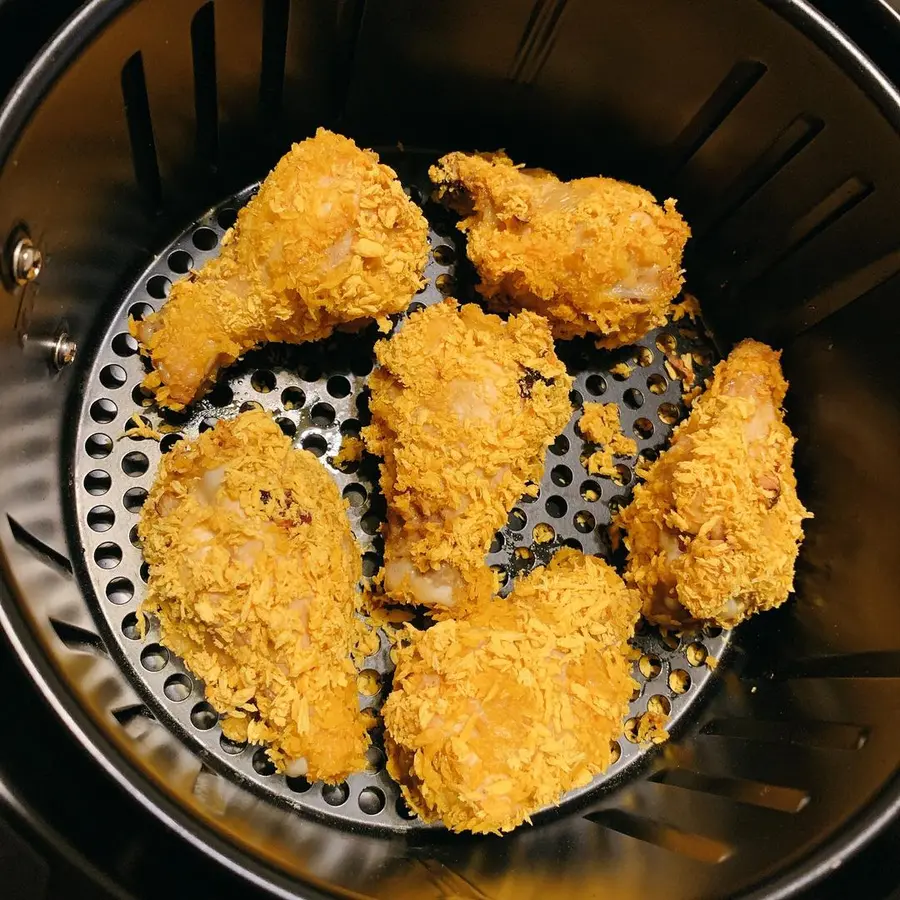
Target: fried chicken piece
[[464, 406], [496, 715], [329, 239], [593, 255], [253, 576], [714, 531]]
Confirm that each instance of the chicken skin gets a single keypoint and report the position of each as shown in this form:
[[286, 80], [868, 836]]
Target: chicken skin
[[464, 406], [329, 239], [497, 714], [714, 532], [593, 255], [253, 577]]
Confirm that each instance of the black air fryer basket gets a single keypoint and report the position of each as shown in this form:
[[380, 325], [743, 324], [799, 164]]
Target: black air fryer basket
[[124, 153]]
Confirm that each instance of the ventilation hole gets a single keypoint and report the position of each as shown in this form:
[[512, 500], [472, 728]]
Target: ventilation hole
[[169, 441], [516, 520], [261, 763], [369, 564], [145, 572], [712, 631], [535, 492], [656, 384], [119, 590], [669, 637], [666, 343], [207, 424], [141, 396], [615, 752], [622, 474], [350, 427], [335, 794], [497, 543], [98, 445], [134, 499], [584, 522], [113, 377], [338, 386], [101, 518], [658, 705], [501, 576], [615, 504], [287, 427], [232, 748], [696, 654], [134, 536], [204, 717], [178, 687], [130, 627], [108, 555], [444, 255], [249, 405], [542, 533], [361, 365], [561, 476], [103, 411], [322, 415], [135, 463], [596, 385], [370, 523], [226, 218], [631, 730], [371, 801], [362, 404], [574, 544], [644, 356], [158, 287], [679, 681], [175, 418], [560, 446], [97, 482], [649, 454], [355, 495], [668, 413], [154, 657], [556, 506], [403, 809], [636, 692], [590, 491], [292, 398], [374, 760], [633, 398], [180, 261], [650, 665], [523, 558], [263, 381], [220, 395], [702, 358], [204, 239], [140, 311], [131, 427], [445, 283], [368, 682], [643, 428]]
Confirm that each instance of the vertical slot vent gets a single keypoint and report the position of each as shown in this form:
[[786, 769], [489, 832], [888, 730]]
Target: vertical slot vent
[[206, 100], [140, 130], [276, 17]]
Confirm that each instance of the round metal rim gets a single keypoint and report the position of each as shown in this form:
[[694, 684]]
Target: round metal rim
[[24, 98]]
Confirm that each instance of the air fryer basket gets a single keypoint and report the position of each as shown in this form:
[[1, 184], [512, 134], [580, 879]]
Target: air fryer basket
[[123, 154]]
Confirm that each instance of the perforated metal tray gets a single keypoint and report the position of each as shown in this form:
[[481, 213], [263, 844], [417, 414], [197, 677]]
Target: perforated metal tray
[[318, 394]]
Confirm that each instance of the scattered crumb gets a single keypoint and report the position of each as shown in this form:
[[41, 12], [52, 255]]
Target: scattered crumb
[[600, 425], [652, 728], [136, 427], [351, 451], [622, 369], [532, 489], [689, 307], [688, 397], [712, 662], [543, 533]]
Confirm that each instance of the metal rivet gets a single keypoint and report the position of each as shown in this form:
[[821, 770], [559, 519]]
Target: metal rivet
[[64, 351], [26, 261]]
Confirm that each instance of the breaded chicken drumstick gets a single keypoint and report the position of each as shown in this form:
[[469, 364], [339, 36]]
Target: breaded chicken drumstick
[[464, 407], [713, 533], [498, 714], [329, 239], [593, 255], [253, 576]]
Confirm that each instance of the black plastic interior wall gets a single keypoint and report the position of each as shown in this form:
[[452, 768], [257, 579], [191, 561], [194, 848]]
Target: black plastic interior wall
[[780, 144]]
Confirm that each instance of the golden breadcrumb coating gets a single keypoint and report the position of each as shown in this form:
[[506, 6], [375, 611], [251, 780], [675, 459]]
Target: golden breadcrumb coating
[[713, 533], [593, 255], [253, 576], [600, 424], [464, 406], [496, 715], [330, 238]]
